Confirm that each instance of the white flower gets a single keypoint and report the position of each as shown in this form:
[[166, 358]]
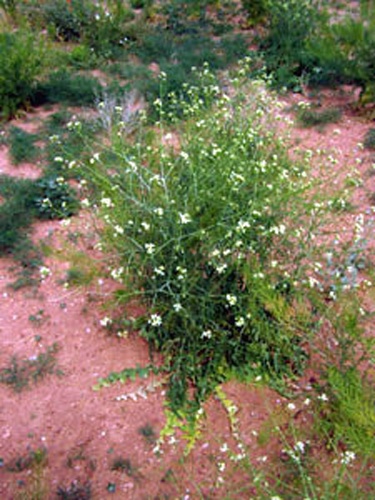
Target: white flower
[[107, 202], [159, 211], [105, 321], [116, 273], [347, 457], [323, 397], [300, 447], [65, 222], [278, 229], [221, 466], [118, 229], [207, 334], [145, 225], [291, 406], [160, 271], [157, 450], [58, 159], [184, 218], [240, 321], [150, 248], [231, 299], [224, 448], [44, 272], [221, 268], [242, 225], [182, 272], [85, 203], [177, 307], [155, 320]]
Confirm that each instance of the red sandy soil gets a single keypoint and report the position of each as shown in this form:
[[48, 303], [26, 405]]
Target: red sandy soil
[[83, 431]]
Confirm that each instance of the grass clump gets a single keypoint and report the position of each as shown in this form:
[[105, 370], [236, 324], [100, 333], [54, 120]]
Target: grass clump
[[66, 88], [31, 459], [196, 231], [76, 491], [369, 141], [309, 117], [349, 413], [22, 145], [124, 465], [21, 373]]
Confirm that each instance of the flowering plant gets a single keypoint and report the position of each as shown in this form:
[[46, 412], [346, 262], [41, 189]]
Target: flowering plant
[[203, 239]]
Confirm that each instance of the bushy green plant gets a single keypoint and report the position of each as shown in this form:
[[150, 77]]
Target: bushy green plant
[[54, 199], [344, 50], [100, 27], [196, 231], [290, 26], [106, 34], [21, 57], [68, 21]]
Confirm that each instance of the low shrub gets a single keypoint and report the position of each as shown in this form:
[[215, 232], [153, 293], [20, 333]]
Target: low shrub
[[21, 56], [67, 21], [66, 88], [290, 25]]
